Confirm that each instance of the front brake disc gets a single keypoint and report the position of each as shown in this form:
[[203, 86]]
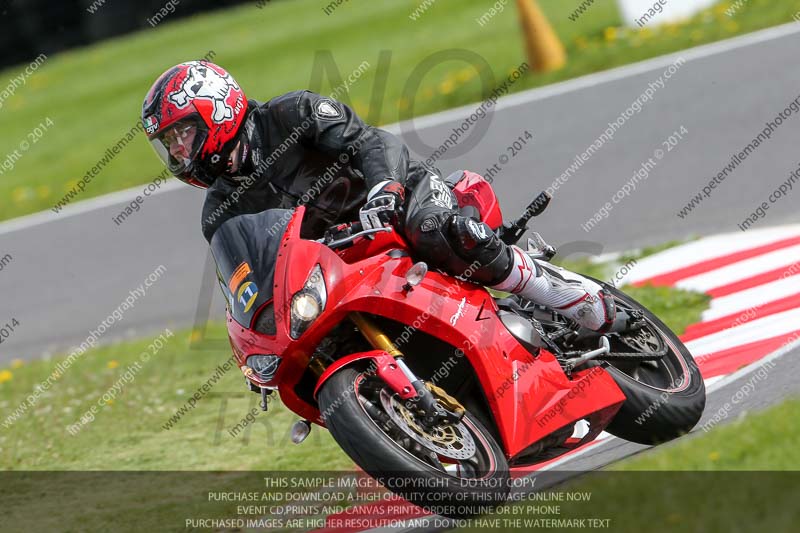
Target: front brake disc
[[451, 440]]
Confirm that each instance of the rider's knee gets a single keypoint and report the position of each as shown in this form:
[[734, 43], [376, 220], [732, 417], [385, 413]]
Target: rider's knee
[[489, 259]]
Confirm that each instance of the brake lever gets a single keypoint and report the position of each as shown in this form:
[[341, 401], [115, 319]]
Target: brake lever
[[364, 233]]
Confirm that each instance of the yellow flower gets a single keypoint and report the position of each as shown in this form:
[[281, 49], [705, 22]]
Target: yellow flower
[[5, 375], [610, 34], [197, 335], [43, 191], [732, 26], [110, 401], [112, 364], [465, 74], [21, 194], [714, 456], [39, 81], [18, 103], [16, 363], [581, 42], [447, 87]]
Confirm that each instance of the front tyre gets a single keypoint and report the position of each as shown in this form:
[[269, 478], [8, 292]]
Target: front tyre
[[454, 470]]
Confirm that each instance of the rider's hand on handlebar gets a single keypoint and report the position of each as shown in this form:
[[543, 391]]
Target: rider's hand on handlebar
[[383, 205]]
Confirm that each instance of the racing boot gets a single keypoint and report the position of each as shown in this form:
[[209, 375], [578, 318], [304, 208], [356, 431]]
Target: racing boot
[[571, 295]]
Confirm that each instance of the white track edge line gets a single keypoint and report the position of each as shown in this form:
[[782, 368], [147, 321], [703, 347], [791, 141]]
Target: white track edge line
[[605, 76], [84, 206]]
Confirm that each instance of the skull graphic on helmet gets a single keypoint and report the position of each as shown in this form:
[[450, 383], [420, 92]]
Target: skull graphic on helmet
[[204, 82]]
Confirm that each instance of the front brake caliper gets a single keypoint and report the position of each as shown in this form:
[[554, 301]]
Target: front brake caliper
[[447, 401], [434, 406]]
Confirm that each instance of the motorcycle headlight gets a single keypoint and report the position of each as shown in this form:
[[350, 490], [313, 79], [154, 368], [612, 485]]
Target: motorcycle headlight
[[308, 303], [265, 366]]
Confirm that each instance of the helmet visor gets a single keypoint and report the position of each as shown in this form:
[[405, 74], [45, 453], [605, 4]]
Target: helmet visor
[[179, 144]]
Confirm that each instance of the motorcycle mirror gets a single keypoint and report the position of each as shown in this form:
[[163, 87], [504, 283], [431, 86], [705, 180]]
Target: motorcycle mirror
[[541, 202], [415, 275]]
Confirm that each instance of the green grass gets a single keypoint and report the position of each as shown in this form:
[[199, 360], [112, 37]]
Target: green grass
[[93, 95], [127, 434], [696, 484], [757, 442]]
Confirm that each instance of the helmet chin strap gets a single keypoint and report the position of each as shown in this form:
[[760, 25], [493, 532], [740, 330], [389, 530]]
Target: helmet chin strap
[[241, 163], [237, 158]]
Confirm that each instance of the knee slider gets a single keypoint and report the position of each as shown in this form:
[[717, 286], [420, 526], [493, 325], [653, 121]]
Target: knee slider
[[469, 235], [474, 241]]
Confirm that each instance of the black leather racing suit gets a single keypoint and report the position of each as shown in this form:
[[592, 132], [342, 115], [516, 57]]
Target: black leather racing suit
[[305, 149]]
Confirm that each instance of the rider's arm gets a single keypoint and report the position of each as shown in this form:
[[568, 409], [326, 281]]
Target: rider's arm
[[333, 128]]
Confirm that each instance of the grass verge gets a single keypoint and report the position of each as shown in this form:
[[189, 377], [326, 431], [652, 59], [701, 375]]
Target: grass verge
[[128, 436], [128, 431], [757, 442]]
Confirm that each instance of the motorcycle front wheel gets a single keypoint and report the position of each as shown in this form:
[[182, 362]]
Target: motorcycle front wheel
[[453, 470]]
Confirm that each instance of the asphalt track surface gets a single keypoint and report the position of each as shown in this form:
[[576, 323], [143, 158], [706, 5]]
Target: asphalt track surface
[[70, 271]]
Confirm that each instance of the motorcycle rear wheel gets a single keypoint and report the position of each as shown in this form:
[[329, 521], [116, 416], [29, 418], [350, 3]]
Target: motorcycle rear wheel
[[664, 399]]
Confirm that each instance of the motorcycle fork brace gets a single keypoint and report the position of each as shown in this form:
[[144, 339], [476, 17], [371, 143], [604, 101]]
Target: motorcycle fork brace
[[432, 403]]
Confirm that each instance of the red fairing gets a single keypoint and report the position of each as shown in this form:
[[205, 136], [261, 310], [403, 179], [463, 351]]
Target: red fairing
[[475, 191], [385, 368], [529, 396]]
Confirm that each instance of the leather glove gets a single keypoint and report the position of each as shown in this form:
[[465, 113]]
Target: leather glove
[[384, 204]]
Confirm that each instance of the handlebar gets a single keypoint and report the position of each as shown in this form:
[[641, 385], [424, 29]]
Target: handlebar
[[343, 234]]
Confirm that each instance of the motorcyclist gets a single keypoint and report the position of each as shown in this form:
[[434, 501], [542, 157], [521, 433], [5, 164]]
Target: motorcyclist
[[305, 149]]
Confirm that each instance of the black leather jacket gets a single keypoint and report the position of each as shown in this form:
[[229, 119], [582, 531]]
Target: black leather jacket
[[305, 149]]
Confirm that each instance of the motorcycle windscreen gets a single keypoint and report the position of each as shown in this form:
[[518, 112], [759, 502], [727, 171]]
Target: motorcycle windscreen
[[245, 249]]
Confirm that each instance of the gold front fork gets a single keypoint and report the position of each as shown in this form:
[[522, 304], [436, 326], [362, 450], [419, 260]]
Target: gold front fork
[[378, 339]]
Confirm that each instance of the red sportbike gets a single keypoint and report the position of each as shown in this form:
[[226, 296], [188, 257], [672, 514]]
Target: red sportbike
[[431, 384]]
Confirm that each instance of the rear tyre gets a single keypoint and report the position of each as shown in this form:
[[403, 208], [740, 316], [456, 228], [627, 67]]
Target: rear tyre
[[367, 420], [665, 398]]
